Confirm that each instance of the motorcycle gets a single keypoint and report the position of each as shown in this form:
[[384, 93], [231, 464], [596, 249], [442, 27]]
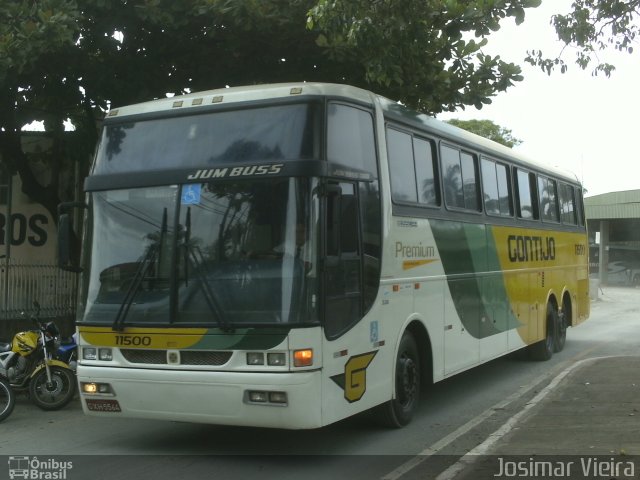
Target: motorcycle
[[29, 363], [7, 398], [68, 351]]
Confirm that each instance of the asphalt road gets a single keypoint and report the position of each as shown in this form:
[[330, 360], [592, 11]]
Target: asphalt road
[[454, 417]]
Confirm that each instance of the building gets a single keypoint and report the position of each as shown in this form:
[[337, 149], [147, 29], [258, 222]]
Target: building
[[28, 249], [613, 220]]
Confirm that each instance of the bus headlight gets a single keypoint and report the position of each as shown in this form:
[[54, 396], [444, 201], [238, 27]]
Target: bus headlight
[[105, 354], [276, 359], [255, 358], [90, 353]]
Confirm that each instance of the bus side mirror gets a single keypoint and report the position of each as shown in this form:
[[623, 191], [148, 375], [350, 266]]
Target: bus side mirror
[[66, 260], [65, 234]]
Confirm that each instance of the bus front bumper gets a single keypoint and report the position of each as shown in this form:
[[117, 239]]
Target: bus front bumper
[[277, 400]]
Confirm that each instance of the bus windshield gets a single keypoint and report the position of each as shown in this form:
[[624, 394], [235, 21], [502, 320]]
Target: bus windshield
[[225, 253], [270, 133]]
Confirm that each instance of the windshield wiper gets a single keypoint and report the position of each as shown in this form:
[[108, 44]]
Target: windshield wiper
[[194, 255], [143, 268]]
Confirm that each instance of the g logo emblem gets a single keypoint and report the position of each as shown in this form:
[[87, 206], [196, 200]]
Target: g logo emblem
[[354, 379]]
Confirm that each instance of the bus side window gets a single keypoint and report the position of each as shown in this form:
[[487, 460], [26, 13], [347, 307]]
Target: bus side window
[[401, 166], [496, 188], [460, 178], [527, 197], [548, 194], [568, 210]]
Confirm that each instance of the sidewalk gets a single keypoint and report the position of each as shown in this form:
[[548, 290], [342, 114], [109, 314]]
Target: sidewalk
[[593, 411]]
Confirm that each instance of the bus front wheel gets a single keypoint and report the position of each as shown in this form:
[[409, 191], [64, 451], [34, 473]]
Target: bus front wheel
[[398, 411]]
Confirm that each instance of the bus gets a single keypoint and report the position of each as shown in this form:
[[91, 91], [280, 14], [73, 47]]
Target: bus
[[290, 255]]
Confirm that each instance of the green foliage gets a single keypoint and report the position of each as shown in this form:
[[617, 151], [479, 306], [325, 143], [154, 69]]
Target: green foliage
[[72, 59], [488, 129], [423, 53], [591, 27]]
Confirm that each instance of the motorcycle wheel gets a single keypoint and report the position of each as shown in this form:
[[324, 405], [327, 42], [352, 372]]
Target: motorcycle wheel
[[54, 395], [7, 399]]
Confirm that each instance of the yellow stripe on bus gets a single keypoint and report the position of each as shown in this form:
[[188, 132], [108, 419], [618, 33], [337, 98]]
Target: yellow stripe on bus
[[143, 337], [409, 264]]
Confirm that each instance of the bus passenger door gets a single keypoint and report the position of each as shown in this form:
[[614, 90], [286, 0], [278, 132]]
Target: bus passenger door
[[348, 355], [342, 272]]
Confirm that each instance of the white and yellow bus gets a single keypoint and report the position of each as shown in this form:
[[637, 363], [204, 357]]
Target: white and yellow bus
[[290, 255]]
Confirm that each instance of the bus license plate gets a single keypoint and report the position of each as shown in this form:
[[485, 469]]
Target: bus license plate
[[96, 405]]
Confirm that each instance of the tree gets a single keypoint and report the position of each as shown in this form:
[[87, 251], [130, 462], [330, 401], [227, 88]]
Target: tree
[[591, 27], [487, 129], [65, 59]]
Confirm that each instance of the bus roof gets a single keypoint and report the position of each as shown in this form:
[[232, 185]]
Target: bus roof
[[466, 138], [392, 109], [244, 94]]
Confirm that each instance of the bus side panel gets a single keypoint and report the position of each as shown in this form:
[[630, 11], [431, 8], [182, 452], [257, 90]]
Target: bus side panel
[[358, 366], [537, 264]]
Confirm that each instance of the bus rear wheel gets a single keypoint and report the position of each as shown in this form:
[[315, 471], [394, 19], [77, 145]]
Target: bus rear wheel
[[543, 350], [563, 320], [399, 411]]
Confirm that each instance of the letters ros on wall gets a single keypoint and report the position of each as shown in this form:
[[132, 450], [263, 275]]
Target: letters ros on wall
[[32, 233]]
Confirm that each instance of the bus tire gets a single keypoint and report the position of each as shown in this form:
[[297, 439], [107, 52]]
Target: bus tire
[[561, 326], [399, 411], [543, 350]]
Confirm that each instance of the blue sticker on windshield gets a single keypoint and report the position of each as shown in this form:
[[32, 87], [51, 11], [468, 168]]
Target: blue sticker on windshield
[[191, 194]]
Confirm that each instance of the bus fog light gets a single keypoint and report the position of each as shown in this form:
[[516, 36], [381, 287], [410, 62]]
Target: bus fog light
[[105, 354], [89, 354], [276, 359], [104, 388], [89, 387], [255, 358], [258, 397], [278, 397], [92, 388]]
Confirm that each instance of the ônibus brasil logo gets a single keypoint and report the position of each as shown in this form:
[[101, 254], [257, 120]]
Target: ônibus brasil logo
[[33, 468]]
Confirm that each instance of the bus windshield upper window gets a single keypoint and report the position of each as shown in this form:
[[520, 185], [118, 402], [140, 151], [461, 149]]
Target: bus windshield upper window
[[285, 132]]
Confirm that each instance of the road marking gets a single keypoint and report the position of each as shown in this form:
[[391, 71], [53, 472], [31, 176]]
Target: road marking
[[462, 430], [474, 454]]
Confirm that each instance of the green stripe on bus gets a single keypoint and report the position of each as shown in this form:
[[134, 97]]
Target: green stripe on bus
[[242, 339], [480, 299]]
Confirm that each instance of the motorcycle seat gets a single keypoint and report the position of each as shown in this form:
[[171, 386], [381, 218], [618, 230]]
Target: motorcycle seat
[[5, 347]]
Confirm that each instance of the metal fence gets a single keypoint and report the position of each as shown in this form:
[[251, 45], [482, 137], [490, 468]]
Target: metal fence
[[21, 283]]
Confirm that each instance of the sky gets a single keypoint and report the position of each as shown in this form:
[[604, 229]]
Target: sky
[[581, 123]]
